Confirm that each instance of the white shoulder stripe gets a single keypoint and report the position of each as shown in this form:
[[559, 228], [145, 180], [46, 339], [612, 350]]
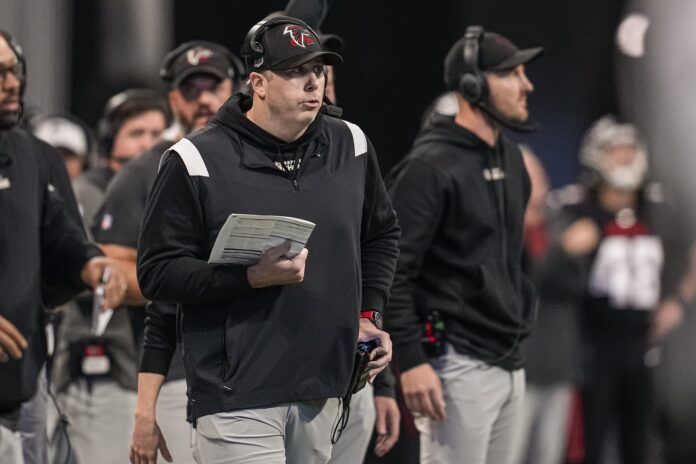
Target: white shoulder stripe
[[359, 139], [190, 156]]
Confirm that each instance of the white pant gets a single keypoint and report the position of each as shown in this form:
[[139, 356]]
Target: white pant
[[482, 405], [10, 447], [296, 433], [33, 424], [171, 418], [543, 424], [100, 421], [355, 439]]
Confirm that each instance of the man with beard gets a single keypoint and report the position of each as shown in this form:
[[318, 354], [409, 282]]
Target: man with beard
[[460, 305], [46, 258], [269, 347], [202, 76]]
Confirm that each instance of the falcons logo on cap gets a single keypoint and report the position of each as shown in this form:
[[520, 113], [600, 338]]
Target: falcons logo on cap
[[299, 36], [198, 55]]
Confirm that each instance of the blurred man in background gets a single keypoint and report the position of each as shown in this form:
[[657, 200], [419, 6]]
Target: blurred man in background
[[631, 297], [460, 196], [132, 122]]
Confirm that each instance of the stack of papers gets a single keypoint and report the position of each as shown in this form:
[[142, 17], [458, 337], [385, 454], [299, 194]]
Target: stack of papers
[[246, 237]]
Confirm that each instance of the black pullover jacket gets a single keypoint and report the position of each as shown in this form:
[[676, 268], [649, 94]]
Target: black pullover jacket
[[460, 204], [43, 248], [247, 348]]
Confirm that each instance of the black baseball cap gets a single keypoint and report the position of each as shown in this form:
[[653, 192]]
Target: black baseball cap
[[286, 45], [496, 53], [196, 57]]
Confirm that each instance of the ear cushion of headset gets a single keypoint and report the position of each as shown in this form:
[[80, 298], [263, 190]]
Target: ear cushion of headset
[[470, 88]]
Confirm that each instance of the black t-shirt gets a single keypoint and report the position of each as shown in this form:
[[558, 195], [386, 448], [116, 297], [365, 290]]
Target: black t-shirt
[[118, 222]]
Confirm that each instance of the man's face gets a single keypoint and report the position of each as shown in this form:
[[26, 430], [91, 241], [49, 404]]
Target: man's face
[[616, 156], [136, 135], [296, 94], [9, 87], [198, 98], [508, 93]]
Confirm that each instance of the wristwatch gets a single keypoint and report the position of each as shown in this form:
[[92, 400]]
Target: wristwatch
[[374, 316]]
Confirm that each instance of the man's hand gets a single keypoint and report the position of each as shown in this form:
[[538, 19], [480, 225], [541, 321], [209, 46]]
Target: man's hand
[[380, 357], [147, 439], [387, 424], [11, 341], [667, 317], [126, 257], [581, 237], [275, 269], [115, 287], [423, 392]]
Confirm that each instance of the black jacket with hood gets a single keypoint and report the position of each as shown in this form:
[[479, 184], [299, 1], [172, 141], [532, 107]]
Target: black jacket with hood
[[460, 204], [43, 249], [244, 347]]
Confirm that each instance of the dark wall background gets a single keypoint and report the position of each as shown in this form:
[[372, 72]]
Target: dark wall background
[[393, 61]]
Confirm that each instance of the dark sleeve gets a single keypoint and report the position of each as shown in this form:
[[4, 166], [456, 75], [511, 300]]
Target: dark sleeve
[[384, 383], [418, 192], [64, 248], [118, 219], [172, 260], [312, 12], [159, 339], [378, 238]]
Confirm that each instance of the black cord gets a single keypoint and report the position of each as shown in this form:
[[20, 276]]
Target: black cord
[[63, 424], [342, 421]]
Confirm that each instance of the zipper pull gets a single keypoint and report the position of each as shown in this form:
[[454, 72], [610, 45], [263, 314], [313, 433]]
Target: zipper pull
[[295, 184]]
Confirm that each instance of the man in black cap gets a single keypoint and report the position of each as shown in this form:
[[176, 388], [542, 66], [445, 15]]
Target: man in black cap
[[460, 305], [269, 347]]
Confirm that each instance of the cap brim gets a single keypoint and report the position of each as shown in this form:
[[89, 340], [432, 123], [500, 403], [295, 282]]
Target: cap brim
[[520, 57], [330, 58], [199, 70]]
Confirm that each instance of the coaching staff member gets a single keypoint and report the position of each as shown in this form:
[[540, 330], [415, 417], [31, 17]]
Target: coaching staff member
[[42, 247], [269, 348], [460, 196]]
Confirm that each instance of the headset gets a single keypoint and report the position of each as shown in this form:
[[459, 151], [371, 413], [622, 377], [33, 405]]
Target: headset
[[252, 48], [111, 120], [234, 72], [472, 84], [17, 50]]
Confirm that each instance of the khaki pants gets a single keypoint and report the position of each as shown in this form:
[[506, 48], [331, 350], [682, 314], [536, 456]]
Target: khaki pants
[[355, 439], [482, 404], [100, 421], [10, 446], [293, 433]]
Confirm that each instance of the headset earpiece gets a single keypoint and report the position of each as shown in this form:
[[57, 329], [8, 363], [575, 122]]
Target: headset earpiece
[[472, 84], [109, 124]]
